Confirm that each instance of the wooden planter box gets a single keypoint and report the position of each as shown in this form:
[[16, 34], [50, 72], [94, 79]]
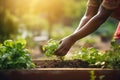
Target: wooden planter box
[[59, 74]]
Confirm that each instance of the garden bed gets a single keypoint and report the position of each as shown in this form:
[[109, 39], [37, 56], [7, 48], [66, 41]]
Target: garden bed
[[63, 73], [77, 63]]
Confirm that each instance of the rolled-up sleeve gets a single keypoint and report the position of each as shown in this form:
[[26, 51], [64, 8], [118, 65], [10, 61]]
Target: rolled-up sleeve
[[111, 4]]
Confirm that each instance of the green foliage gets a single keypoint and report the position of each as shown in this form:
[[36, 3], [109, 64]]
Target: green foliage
[[110, 59], [91, 55], [114, 56], [94, 57], [50, 47], [14, 55]]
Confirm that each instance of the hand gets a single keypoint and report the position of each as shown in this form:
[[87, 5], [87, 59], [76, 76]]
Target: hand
[[64, 47]]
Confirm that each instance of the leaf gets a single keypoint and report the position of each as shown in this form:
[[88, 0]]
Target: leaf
[[20, 44], [8, 43]]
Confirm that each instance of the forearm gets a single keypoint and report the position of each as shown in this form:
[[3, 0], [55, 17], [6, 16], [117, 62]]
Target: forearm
[[91, 25], [83, 21], [90, 12]]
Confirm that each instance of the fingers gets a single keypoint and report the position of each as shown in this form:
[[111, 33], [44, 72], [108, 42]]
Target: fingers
[[58, 51], [61, 51]]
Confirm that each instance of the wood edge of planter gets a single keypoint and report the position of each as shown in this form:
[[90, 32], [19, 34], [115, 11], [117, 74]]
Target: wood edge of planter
[[60, 74], [63, 69]]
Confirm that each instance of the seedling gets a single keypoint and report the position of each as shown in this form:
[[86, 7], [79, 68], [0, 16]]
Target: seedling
[[50, 47]]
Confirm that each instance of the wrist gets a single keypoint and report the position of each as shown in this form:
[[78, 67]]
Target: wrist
[[73, 38]]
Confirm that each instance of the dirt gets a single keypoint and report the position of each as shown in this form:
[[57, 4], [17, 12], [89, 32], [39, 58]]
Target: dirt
[[63, 64]]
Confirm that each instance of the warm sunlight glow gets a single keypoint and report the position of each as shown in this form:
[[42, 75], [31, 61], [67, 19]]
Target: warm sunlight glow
[[32, 6], [35, 9]]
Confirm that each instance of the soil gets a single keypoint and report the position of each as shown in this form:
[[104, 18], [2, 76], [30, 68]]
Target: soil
[[63, 64]]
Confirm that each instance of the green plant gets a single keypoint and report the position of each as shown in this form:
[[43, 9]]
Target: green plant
[[91, 55], [14, 55], [92, 75], [110, 59], [94, 57], [50, 47], [113, 59]]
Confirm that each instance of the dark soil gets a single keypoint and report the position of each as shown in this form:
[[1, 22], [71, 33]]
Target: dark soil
[[63, 64]]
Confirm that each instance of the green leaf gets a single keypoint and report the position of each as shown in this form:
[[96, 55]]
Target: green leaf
[[8, 43], [20, 44]]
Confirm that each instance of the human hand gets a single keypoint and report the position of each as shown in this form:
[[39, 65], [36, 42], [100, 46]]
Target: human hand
[[65, 45]]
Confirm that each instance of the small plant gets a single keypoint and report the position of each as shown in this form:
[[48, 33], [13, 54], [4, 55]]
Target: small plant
[[51, 46], [92, 75], [14, 55]]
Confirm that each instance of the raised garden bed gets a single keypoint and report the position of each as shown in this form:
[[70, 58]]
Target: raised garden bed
[[63, 73]]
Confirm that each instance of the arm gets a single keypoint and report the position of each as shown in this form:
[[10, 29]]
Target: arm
[[92, 24], [88, 28], [90, 12]]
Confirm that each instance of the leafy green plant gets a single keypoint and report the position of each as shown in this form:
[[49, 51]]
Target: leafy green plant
[[113, 59], [50, 47], [14, 55], [91, 55], [110, 59]]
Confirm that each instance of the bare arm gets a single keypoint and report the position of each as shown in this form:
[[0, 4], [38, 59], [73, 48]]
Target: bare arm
[[85, 30], [90, 12], [92, 24]]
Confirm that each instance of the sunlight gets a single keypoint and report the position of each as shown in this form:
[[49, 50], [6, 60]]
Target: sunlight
[[31, 6], [33, 10]]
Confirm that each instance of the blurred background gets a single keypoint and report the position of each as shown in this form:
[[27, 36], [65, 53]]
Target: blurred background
[[37, 21]]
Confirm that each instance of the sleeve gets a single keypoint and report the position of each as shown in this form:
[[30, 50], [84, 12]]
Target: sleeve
[[111, 4], [93, 3]]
